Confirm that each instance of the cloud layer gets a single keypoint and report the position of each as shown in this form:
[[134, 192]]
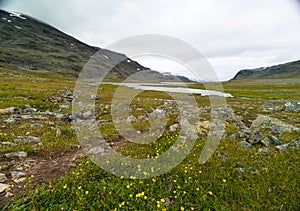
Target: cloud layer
[[231, 34]]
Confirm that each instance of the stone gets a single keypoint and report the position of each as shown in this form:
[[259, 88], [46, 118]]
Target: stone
[[8, 143], [276, 130], [87, 114], [274, 141], [96, 150], [278, 127], [131, 118], [17, 174], [206, 125], [3, 187], [256, 137], [37, 125], [245, 145], [28, 139], [283, 147], [174, 127], [58, 132], [94, 97], [263, 150], [291, 107], [65, 106], [11, 110], [16, 154], [35, 117], [3, 177], [30, 110], [10, 121], [246, 170], [30, 161], [61, 117], [295, 144]]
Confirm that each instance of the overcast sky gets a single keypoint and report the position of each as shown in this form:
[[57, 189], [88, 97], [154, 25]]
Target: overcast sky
[[231, 34]]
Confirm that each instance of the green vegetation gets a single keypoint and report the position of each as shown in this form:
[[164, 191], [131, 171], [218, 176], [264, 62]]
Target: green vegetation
[[270, 181]]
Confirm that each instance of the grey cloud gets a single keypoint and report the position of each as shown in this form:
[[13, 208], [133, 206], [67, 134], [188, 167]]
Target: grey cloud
[[232, 34]]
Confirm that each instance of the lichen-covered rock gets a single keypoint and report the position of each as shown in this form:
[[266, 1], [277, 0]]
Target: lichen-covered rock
[[28, 139], [16, 154], [3, 187], [291, 107], [245, 145]]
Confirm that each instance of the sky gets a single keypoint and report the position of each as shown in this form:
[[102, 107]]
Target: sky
[[231, 34]]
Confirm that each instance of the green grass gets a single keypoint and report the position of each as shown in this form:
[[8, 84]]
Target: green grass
[[215, 185]]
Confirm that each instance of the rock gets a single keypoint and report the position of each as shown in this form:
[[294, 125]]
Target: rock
[[256, 137], [8, 143], [263, 150], [131, 118], [174, 127], [28, 139], [246, 170], [65, 106], [37, 125], [206, 125], [10, 121], [16, 154], [58, 132], [266, 122], [3, 177], [96, 150], [245, 145], [27, 117], [17, 174], [291, 107], [30, 110], [30, 161], [87, 114], [11, 110], [3, 187], [241, 135], [222, 155], [276, 130], [283, 147], [62, 117], [295, 144], [274, 141], [94, 97]]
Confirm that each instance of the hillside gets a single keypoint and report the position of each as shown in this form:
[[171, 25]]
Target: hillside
[[28, 44], [277, 71]]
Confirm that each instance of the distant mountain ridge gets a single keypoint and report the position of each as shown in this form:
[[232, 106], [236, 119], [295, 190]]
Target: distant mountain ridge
[[277, 71], [29, 44]]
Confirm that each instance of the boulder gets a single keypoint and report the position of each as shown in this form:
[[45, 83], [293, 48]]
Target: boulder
[[275, 125], [291, 107], [245, 145], [3, 187], [28, 139], [17, 174], [11, 110], [16, 154], [3, 177], [174, 127]]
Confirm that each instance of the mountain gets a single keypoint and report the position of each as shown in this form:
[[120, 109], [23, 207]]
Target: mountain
[[27, 44], [277, 71]]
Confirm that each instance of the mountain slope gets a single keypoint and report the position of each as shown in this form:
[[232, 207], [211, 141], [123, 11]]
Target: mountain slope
[[277, 71], [29, 44]]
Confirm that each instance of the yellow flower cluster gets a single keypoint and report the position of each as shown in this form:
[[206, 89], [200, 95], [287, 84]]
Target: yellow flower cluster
[[138, 195]]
